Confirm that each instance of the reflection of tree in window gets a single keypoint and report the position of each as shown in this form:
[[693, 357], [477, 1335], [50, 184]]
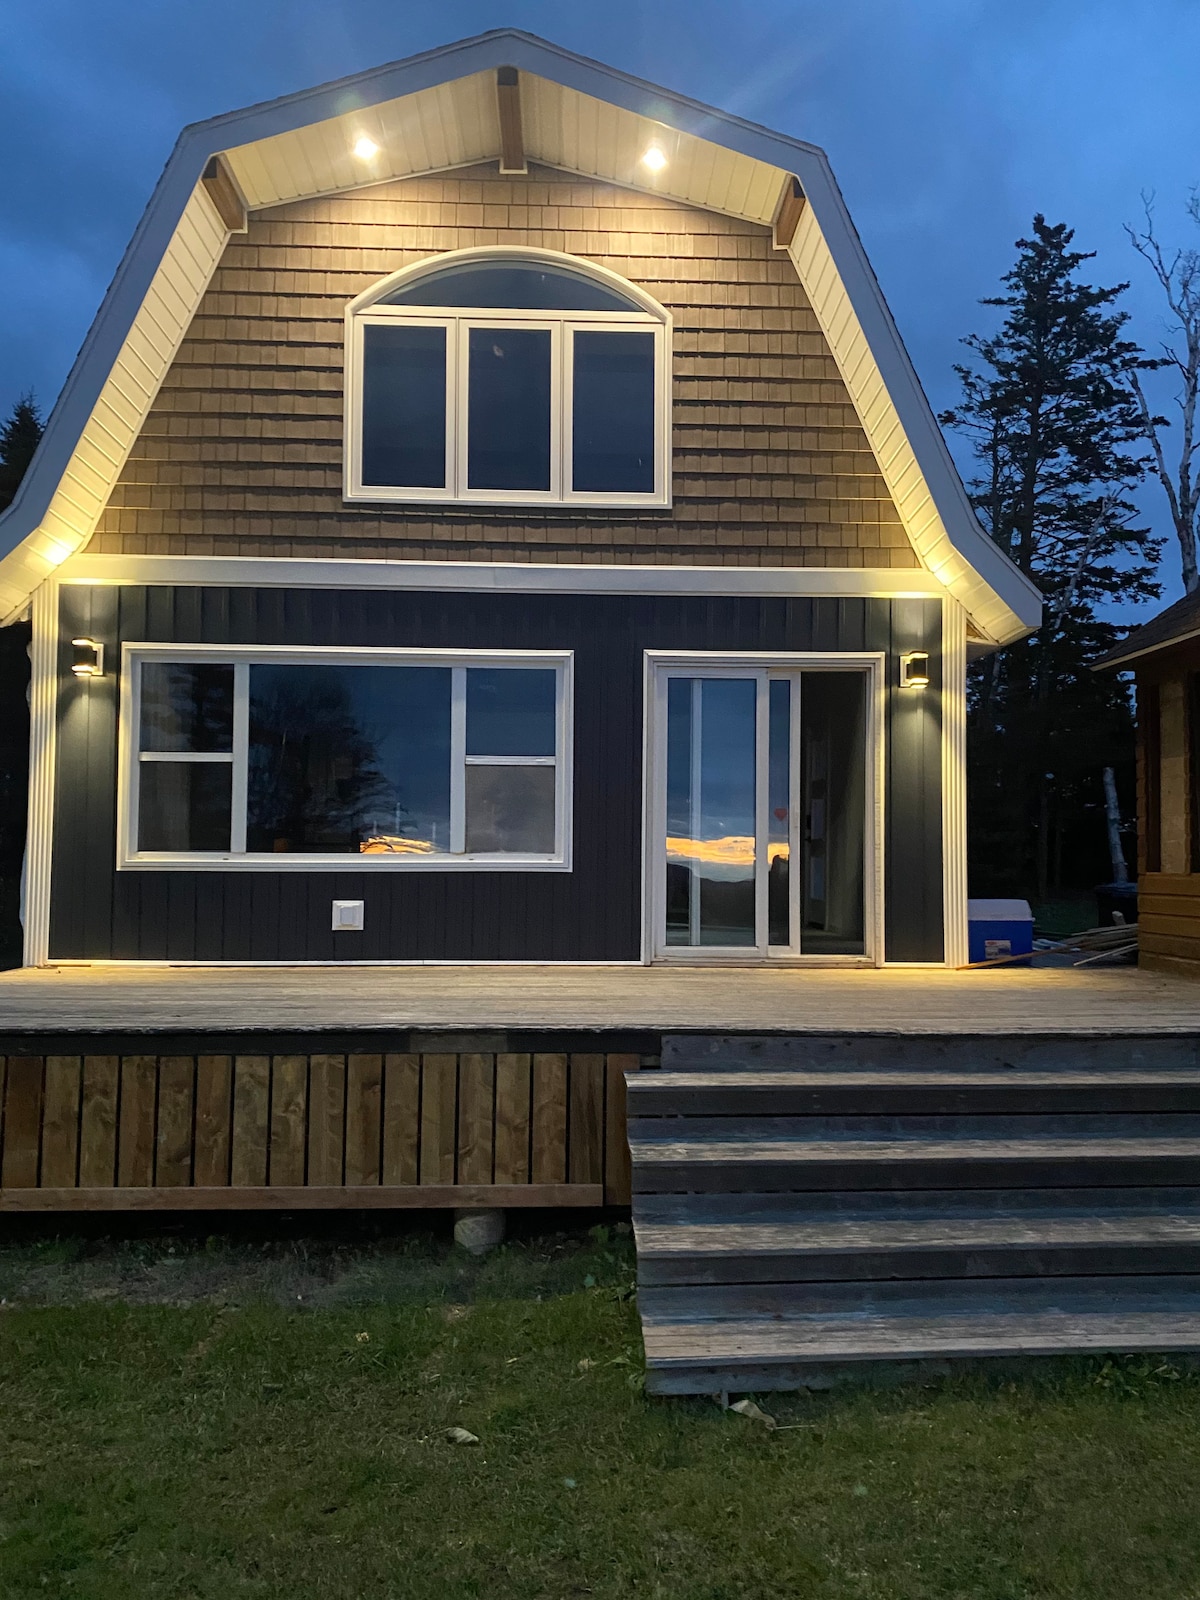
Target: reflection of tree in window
[[187, 706], [314, 774], [350, 758]]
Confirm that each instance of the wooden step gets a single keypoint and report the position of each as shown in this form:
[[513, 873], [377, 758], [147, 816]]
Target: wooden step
[[701, 1341], [887, 1052], [805, 1204], [911, 1160], [848, 1091], [819, 1238]]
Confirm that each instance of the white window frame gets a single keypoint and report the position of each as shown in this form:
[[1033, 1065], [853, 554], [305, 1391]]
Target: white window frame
[[365, 311], [659, 667], [241, 658]]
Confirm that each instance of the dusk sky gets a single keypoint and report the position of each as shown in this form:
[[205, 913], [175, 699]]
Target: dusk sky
[[948, 123]]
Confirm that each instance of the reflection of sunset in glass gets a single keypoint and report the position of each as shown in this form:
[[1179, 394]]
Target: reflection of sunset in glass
[[734, 850], [387, 844]]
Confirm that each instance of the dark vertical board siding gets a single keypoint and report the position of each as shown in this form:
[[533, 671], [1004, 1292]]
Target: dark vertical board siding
[[68, 930], [591, 913], [913, 867]]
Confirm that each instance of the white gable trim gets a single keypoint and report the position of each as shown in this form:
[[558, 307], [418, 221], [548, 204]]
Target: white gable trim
[[905, 439], [582, 117], [111, 425]]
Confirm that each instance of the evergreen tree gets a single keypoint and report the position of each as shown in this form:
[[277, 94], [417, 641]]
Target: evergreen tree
[[1050, 406], [19, 437]]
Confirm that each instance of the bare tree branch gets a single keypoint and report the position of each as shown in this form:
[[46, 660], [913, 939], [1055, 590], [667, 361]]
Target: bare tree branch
[[1178, 277]]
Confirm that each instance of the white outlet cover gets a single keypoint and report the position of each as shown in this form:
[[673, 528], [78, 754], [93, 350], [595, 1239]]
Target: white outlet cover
[[347, 916]]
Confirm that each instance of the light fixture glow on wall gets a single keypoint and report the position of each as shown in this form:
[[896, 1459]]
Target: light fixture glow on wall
[[654, 159], [914, 670], [89, 658], [366, 149]]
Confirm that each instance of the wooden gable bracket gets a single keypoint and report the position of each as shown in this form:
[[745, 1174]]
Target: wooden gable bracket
[[508, 103], [788, 212], [224, 193]]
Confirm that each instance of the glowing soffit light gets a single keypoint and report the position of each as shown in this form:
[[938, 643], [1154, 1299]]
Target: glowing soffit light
[[366, 149], [654, 159]]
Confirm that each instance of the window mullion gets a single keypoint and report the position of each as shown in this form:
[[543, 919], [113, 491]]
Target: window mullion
[[458, 760], [456, 422], [560, 368], [241, 757]]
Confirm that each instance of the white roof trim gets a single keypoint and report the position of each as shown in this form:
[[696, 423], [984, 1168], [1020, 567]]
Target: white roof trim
[[525, 577], [436, 111]]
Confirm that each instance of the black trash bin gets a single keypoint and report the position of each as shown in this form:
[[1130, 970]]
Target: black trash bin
[[1116, 897]]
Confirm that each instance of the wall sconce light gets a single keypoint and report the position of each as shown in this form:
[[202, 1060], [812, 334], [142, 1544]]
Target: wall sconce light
[[89, 658], [914, 670]]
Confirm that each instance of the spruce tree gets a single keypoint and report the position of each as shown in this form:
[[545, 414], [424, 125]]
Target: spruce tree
[[1049, 403], [19, 437]]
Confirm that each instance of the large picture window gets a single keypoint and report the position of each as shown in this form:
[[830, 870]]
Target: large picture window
[[503, 376], [286, 758]]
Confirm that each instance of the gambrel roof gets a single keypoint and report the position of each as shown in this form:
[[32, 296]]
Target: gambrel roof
[[439, 111]]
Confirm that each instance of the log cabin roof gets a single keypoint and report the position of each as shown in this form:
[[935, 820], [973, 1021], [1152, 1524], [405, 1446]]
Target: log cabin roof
[[438, 111], [1170, 627]]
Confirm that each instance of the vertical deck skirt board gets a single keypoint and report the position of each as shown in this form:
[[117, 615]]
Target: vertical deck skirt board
[[295, 1130], [591, 913]]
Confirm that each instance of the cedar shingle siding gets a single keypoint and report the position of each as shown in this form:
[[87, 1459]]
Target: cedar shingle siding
[[242, 451]]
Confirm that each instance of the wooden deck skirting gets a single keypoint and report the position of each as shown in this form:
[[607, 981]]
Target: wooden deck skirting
[[193, 1132]]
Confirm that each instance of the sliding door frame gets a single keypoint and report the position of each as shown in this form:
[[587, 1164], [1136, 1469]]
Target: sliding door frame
[[658, 665]]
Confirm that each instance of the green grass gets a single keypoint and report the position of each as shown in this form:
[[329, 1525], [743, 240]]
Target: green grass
[[172, 1423], [1059, 919]]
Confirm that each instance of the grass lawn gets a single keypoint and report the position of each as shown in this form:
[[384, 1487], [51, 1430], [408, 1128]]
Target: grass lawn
[[216, 1418]]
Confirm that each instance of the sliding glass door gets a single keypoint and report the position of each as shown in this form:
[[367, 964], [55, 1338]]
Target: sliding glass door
[[761, 782]]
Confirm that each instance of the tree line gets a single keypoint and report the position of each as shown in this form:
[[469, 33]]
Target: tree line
[[1056, 405]]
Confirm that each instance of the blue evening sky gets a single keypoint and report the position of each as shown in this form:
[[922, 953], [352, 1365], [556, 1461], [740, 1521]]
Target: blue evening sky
[[948, 122]]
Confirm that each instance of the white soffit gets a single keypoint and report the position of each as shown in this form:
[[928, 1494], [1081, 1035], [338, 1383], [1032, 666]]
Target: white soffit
[[457, 124], [577, 116]]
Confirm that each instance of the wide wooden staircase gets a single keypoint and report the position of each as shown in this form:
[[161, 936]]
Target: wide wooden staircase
[[806, 1204]]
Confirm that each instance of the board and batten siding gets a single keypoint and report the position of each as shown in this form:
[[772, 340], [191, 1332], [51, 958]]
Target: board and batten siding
[[591, 913], [241, 453]]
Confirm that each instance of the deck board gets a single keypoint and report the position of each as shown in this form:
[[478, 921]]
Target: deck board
[[135, 999]]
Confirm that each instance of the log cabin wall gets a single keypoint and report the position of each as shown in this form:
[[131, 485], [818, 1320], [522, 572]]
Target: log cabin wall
[[276, 1126], [1168, 767], [242, 452]]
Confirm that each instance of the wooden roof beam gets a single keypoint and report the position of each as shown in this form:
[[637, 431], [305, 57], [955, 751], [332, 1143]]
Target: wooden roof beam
[[508, 103], [788, 212], [224, 193]]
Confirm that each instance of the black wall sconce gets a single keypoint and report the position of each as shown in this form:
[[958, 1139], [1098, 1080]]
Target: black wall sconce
[[89, 658], [914, 670]]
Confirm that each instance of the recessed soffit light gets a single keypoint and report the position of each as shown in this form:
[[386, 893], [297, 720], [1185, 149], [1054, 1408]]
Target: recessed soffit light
[[366, 149], [654, 159]]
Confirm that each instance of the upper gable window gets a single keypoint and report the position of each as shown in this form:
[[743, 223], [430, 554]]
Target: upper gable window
[[508, 377]]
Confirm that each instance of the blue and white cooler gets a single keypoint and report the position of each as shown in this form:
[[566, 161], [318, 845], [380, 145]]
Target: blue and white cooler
[[997, 928]]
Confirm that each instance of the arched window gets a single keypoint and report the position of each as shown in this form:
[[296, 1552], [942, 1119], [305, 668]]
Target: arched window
[[508, 377]]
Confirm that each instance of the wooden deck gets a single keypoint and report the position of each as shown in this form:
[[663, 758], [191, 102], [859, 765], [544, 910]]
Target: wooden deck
[[490, 999]]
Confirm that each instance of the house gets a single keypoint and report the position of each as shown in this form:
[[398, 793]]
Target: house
[[493, 518], [1164, 656], [501, 605]]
